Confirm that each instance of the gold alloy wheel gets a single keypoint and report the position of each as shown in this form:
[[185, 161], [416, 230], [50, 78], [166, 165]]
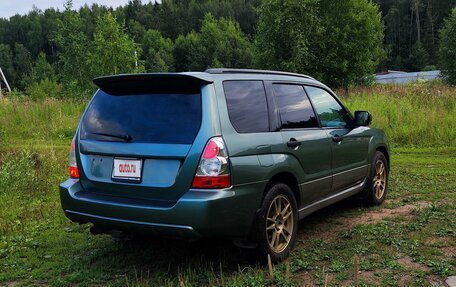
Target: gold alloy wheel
[[279, 223], [379, 179]]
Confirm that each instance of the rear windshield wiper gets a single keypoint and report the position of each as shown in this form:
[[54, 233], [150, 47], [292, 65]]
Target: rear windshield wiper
[[126, 138]]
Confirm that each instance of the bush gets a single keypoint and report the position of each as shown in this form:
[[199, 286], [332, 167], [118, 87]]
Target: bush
[[73, 90], [429, 68], [44, 89], [17, 95]]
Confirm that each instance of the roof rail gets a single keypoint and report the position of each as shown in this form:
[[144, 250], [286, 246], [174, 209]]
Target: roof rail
[[250, 71]]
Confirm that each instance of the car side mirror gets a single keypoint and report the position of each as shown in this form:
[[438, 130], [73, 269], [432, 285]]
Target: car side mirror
[[362, 118]]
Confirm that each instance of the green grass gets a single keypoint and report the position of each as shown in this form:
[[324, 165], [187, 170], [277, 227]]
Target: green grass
[[421, 115], [49, 122], [410, 240]]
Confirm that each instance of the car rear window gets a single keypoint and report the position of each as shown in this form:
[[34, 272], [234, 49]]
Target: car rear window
[[247, 106], [146, 118]]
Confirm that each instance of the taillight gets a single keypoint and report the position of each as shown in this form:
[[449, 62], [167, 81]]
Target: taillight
[[73, 169], [213, 169]]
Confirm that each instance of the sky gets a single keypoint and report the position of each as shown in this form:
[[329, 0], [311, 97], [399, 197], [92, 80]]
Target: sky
[[9, 8]]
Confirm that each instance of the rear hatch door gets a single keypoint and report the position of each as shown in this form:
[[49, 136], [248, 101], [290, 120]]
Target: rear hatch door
[[136, 135]]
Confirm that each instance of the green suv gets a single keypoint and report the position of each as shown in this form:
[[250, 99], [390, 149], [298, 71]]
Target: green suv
[[243, 154]]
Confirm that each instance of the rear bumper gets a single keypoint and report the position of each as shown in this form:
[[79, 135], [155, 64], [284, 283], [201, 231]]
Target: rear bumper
[[197, 213]]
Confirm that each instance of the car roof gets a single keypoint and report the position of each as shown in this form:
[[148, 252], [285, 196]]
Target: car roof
[[255, 72], [212, 75]]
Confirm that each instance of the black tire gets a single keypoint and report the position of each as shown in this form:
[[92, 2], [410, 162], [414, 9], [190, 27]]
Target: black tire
[[372, 194], [281, 193]]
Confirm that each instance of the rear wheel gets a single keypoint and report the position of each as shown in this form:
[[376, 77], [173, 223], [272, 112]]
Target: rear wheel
[[377, 187], [278, 222]]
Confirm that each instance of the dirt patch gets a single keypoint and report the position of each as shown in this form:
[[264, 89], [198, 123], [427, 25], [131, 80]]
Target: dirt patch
[[379, 215], [367, 276], [405, 281], [438, 241], [449, 252], [306, 280], [363, 278], [408, 263], [328, 279], [435, 280], [330, 231], [445, 244], [11, 283]]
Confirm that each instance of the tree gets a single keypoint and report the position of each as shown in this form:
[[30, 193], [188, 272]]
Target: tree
[[418, 58], [136, 30], [158, 52], [170, 25], [42, 70], [22, 65], [73, 48], [189, 54], [286, 33], [6, 62], [225, 44], [448, 48], [114, 52], [221, 43], [34, 37], [352, 44], [339, 42]]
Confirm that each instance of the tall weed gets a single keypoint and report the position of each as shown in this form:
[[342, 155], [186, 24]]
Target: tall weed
[[45, 89], [46, 122], [18, 172], [420, 114]]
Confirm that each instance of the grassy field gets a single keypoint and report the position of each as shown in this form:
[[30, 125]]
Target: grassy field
[[408, 241], [420, 115]]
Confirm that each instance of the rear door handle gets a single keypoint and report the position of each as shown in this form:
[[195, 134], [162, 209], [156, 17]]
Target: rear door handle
[[337, 139], [293, 143]]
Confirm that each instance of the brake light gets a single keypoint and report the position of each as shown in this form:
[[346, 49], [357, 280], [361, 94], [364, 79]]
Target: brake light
[[73, 169], [213, 169]]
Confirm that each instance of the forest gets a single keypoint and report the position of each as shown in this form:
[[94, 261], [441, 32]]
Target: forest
[[57, 53]]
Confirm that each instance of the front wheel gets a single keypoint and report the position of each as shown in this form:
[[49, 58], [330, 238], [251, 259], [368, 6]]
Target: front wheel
[[377, 187], [278, 223]]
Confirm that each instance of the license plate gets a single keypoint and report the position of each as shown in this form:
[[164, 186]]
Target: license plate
[[128, 169]]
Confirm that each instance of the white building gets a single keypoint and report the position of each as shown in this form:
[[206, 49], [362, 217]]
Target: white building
[[399, 77]]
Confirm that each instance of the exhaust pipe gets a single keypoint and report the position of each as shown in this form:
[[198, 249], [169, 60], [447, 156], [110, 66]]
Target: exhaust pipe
[[120, 236], [97, 230], [116, 235]]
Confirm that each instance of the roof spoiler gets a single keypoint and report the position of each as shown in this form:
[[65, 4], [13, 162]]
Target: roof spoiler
[[151, 83]]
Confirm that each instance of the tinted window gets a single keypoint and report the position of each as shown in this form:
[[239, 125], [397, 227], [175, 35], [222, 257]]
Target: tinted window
[[330, 112], [294, 106], [151, 118], [247, 107]]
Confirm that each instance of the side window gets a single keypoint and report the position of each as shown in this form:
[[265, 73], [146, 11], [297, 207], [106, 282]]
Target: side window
[[330, 112], [294, 107], [247, 106]]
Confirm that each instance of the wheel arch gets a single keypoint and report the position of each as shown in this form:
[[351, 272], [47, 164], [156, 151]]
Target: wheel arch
[[384, 150], [287, 178]]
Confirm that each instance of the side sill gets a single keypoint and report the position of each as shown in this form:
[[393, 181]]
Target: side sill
[[311, 208]]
